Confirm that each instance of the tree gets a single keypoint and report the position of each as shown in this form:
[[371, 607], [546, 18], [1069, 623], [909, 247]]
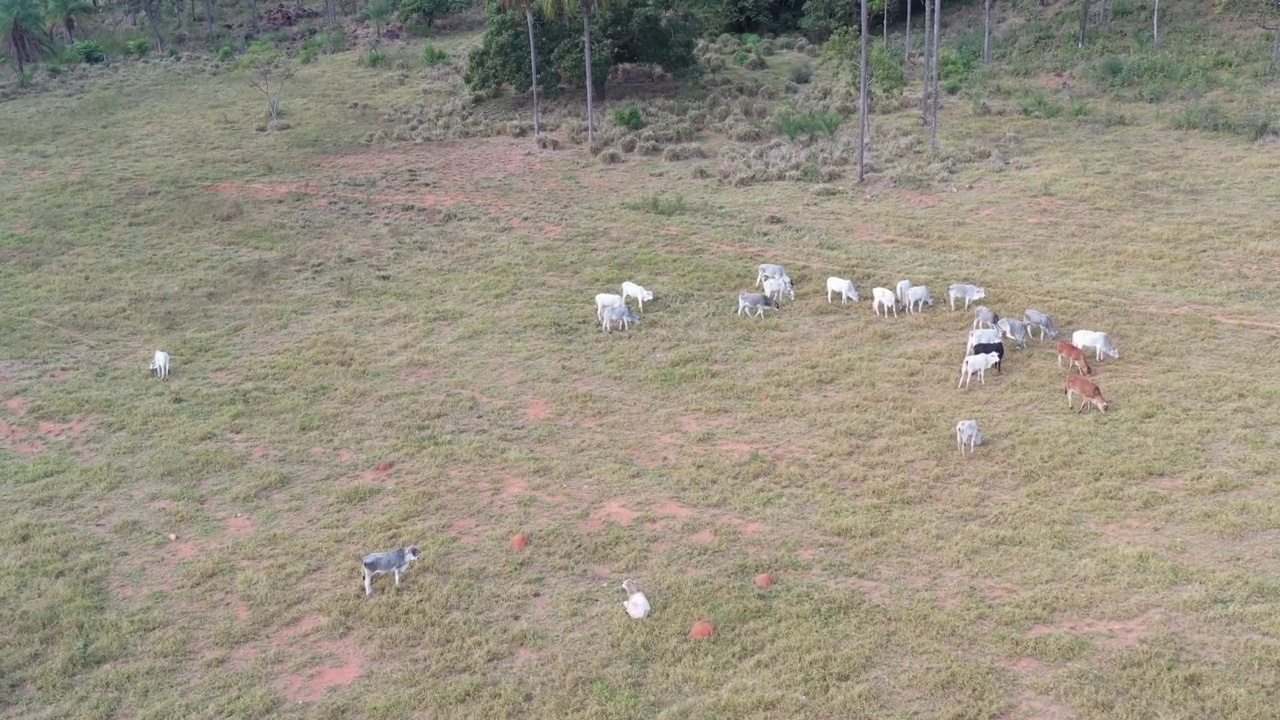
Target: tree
[[378, 12], [1155, 28], [933, 113], [862, 98], [20, 35], [64, 12], [1263, 13], [269, 74], [1084, 20], [927, 81], [584, 8], [986, 32], [906, 40], [208, 18], [429, 11], [527, 7]]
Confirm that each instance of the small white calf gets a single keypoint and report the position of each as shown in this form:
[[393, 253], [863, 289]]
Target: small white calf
[[160, 364], [903, 287], [1096, 340], [392, 561], [918, 295], [968, 292], [632, 290], [883, 298], [637, 604], [775, 287], [844, 287], [607, 300], [768, 270], [980, 337], [976, 364], [967, 432]]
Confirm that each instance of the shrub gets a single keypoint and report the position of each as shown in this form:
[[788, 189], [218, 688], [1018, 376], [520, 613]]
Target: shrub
[[138, 48], [677, 153], [741, 57], [1204, 117], [90, 52], [307, 54], [628, 117], [755, 62], [751, 40], [374, 58], [802, 73], [612, 156], [433, 56], [659, 205], [226, 52]]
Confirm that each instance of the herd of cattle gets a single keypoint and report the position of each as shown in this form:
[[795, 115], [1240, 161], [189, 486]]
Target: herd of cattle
[[985, 348]]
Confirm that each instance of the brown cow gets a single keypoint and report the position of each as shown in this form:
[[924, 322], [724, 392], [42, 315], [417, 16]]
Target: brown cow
[[1074, 356], [1088, 392]]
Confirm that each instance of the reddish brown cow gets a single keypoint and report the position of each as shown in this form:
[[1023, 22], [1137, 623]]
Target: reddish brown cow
[[1088, 392], [1074, 356]]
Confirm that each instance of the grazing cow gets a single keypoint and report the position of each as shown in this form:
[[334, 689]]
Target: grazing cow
[[160, 364], [884, 298], [769, 270], [755, 301], [632, 290], [995, 347], [976, 364], [967, 432], [983, 315], [775, 287], [1075, 358], [1037, 319], [968, 292], [620, 314], [1088, 392], [1015, 330], [903, 287], [1096, 340], [844, 287], [917, 296]]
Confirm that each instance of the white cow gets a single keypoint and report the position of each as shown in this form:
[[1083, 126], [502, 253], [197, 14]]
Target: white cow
[[844, 287], [1096, 340], [883, 298]]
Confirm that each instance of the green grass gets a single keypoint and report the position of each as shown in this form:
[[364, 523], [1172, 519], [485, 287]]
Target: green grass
[[335, 305]]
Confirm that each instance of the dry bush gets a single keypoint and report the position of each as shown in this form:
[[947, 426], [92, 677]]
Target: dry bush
[[628, 144], [649, 148], [678, 153], [612, 156]]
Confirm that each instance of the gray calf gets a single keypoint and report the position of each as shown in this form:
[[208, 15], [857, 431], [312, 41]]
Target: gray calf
[[620, 314], [393, 561], [1037, 319], [755, 301]]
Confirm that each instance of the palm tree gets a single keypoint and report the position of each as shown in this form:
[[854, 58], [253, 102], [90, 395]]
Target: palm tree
[[20, 24], [527, 6], [64, 12], [585, 8]]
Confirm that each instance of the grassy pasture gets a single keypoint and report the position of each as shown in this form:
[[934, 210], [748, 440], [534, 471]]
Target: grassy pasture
[[389, 343]]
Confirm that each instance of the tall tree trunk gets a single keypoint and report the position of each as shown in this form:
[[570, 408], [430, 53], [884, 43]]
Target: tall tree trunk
[[208, 17], [193, 12], [1084, 20], [330, 12], [906, 40], [586, 49], [933, 96], [533, 66], [253, 16], [1102, 12], [928, 59], [1155, 28], [986, 32], [70, 24], [1275, 49], [862, 99], [149, 7]]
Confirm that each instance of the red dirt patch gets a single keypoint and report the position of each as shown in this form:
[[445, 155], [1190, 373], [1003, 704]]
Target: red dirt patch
[[1119, 633], [57, 431], [181, 551], [537, 410], [78, 174], [690, 423], [306, 623], [915, 197], [42, 174], [238, 608], [17, 439], [239, 525], [613, 510], [519, 542], [512, 486], [705, 537], [385, 466], [310, 687], [261, 450], [16, 404], [702, 629], [554, 231], [461, 527], [764, 581], [346, 456], [1245, 321], [984, 213]]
